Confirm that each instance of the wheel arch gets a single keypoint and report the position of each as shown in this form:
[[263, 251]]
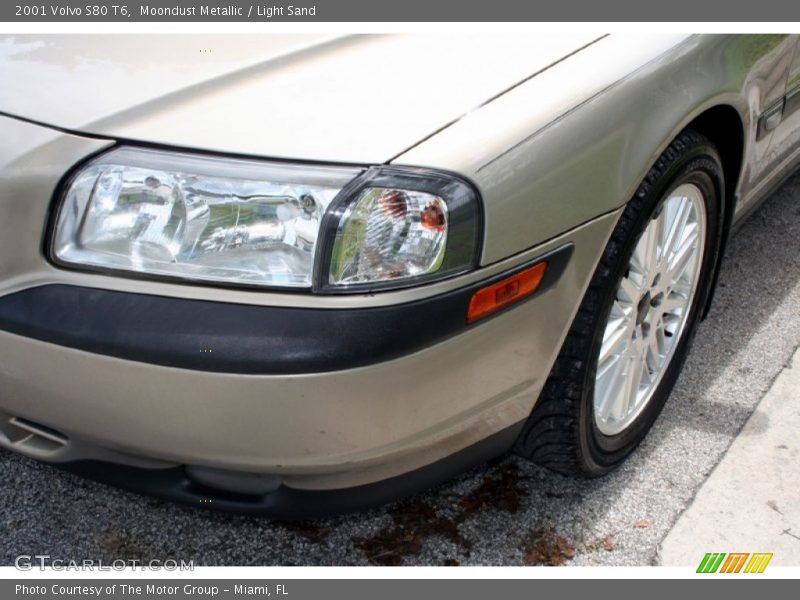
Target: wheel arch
[[724, 127]]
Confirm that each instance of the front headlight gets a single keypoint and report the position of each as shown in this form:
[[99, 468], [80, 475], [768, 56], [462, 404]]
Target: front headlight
[[265, 223]]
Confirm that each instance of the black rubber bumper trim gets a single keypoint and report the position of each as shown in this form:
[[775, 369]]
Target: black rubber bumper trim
[[288, 503], [239, 338]]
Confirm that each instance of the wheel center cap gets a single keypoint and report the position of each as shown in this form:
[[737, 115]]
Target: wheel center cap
[[643, 308]]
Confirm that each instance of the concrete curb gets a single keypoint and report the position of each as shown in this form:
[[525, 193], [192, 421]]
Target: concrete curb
[[750, 501]]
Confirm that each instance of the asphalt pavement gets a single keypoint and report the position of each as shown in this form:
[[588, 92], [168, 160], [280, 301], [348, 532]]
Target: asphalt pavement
[[513, 513]]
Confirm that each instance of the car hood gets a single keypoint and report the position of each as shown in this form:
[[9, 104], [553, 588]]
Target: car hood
[[355, 99]]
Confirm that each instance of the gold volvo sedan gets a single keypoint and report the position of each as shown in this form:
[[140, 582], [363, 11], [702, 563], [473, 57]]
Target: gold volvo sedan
[[302, 275]]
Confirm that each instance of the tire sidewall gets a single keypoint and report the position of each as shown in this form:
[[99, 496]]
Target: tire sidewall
[[700, 165]]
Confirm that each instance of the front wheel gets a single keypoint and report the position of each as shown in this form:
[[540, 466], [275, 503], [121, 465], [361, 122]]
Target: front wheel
[[636, 321]]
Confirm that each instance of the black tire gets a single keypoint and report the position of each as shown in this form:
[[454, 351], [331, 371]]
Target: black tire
[[561, 433]]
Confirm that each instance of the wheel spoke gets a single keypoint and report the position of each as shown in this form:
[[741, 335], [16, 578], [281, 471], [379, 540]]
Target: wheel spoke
[[614, 342], [652, 246], [629, 291], [661, 234], [608, 382], [611, 362], [620, 399], [673, 302], [683, 255], [653, 354], [633, 382], [641, 261], [681, 211], [612, 388]]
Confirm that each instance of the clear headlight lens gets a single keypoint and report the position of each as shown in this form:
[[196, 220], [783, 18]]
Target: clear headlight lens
[[225, 220], [266, 223], [398, 227], [389, 234]]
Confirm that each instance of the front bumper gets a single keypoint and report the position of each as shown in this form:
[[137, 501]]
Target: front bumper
[[101, 375]]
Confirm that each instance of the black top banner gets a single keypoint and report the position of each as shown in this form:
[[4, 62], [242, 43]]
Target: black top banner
[[397, 11]]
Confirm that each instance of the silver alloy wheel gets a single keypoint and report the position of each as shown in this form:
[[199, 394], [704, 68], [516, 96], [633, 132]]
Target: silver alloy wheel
[[650, 310]]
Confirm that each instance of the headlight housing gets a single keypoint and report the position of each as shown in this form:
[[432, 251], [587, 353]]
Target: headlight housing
[[262, 223]]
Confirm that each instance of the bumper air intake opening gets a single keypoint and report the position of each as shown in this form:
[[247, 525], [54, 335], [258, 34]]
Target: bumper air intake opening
[[33, 438]]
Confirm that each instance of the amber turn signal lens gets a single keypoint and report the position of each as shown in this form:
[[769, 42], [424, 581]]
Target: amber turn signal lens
[[504, 293], [433, 218]]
